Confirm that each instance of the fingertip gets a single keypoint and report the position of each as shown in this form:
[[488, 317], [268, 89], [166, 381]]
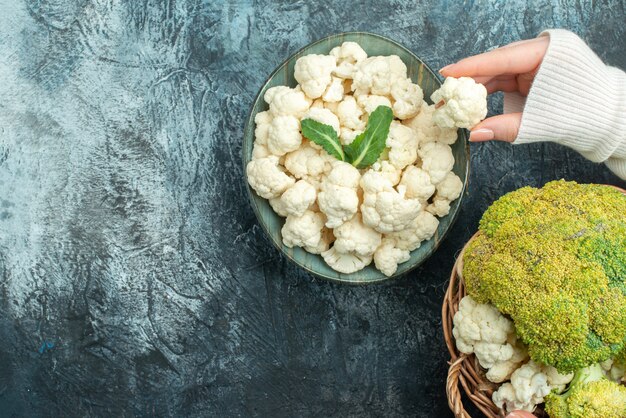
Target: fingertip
[[445, 71], [466, 67], [520, 414], [504, 127], [481, 135]]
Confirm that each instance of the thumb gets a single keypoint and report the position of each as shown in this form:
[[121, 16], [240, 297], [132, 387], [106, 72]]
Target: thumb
[[501, 127], [520, 414]]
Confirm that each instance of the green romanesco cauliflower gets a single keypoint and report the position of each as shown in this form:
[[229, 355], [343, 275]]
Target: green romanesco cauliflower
[[554, 260], [590, 395]]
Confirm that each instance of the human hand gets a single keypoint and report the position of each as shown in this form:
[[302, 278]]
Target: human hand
[[520, 414], [510, 68]]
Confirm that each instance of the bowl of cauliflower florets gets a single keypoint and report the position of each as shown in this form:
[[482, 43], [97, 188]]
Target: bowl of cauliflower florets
[[353, 172]]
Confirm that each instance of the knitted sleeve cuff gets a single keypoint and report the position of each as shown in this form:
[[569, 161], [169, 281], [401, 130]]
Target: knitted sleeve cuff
[[575, 100]]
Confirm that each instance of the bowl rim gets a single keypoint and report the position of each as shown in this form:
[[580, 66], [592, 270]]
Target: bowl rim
[[249, 122]]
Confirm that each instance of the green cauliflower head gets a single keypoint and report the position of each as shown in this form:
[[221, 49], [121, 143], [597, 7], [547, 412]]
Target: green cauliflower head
[[590, 395], [554, 260]]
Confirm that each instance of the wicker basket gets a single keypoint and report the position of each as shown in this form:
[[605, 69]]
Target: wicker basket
[[464, 369]]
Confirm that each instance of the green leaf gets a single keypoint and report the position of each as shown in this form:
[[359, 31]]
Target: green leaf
[[367, 147], [324, 136]]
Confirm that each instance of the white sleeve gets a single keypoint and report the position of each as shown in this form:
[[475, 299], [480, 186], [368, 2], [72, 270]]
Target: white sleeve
[[577, 101]]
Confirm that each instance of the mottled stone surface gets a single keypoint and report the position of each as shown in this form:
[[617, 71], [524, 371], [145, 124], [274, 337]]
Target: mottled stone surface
[[134, 278]]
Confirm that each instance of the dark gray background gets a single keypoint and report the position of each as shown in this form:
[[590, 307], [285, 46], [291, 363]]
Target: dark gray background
[[127, 243]]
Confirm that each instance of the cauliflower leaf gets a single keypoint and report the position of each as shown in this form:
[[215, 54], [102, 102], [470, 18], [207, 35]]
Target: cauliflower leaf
[[324, 136], [364, 150], [367, 147]]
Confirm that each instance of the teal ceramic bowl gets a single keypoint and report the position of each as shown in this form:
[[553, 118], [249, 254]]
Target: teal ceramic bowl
[[421, 74]]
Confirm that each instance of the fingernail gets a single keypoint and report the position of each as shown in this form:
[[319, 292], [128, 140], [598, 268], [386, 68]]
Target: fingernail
[[515, 415], [480, 135], [447, 67]]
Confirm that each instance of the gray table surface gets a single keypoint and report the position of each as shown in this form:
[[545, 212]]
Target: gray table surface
[[134, 277]]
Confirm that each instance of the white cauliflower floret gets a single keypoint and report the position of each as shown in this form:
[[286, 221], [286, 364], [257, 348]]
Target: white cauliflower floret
[[345, 262], [262, 121], [349, 114], [385, 209], [427, 130], [284, 135], [417, 183], [306, 162], [387, 257], [614, 371], [421, 229], [437, 160], [475, 324], [450, 187], [606, 364], [338, 198], [618, 373], [355, 237], [528, 388], [344, 174], [306, 231], [464, 103], [313, 72], [285, 101], [298, 198], [369, 102], [267, 178], [408, 98], [557, 381], [324, 244], [273, 91], [260, 151], [481, 329], [402, 143], [348, 55], [324, 116], [348, 135], [278, 206], [448, 190], [391, 172], [502, 370], [334, 92], [374, 182], [376, 75], [439, 207]]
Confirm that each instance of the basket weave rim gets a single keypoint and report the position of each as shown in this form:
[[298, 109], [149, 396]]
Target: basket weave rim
[[464, 369]]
